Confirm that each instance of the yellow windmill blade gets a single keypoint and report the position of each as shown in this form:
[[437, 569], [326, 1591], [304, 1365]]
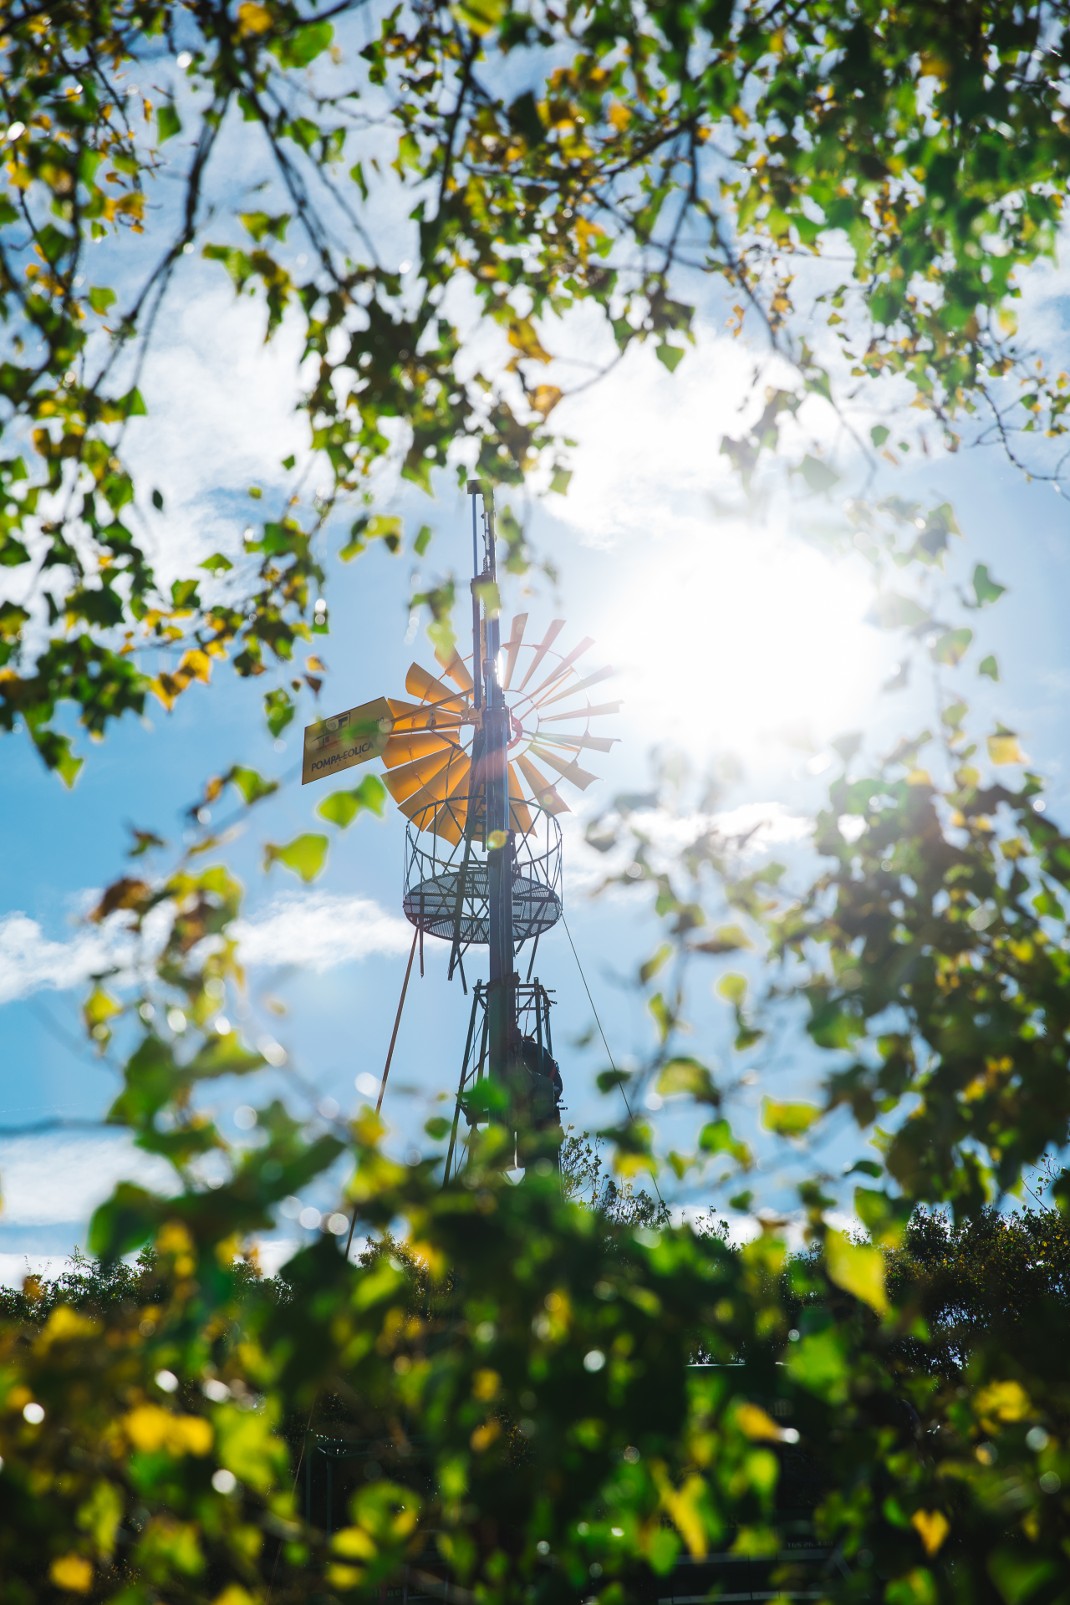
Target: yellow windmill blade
[[418, 683], [579, 685], [414, 716], [541, 650], [454, 665], [411, 745], [438, 790], [581, 713], [558, 674], [512, 649], [568, 770], [542, 790], [402, 782], [576, 742]]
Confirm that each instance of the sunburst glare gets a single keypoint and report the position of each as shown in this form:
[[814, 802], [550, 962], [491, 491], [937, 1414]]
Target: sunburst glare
[[746, 642]]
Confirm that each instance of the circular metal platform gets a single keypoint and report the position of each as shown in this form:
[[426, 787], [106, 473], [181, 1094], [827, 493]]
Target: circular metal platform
[[447, 881]]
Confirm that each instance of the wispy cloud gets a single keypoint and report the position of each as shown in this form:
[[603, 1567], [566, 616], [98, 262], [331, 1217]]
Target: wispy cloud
[[320, 930], [30, 961], [315, 931], [61, 1178]]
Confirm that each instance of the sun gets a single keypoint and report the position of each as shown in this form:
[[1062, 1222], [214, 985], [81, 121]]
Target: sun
[[742, 642]]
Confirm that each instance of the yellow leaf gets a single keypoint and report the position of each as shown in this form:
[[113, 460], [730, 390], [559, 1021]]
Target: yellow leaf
[[1004, 748], [523, 338], [253, 18], [544, 398], [354, 1543], [196, 665], [619, 116], [66, 1323], [682, 1507], [72, 1572], [484, 1436], [753, 1421], [932, 1527], [1005, 1401], [485, 1385], [858, 1269], [151, 1427]]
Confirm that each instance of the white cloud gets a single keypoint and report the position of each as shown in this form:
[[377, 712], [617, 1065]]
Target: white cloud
[[30, 961], [320, 930], [14, 1268], [49, 1180], [311, 931]]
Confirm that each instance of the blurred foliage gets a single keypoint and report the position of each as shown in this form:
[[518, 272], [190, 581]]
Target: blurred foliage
[[858, 186], [494, 1398]]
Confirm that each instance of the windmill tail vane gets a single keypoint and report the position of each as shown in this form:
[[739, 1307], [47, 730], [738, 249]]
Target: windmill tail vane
[[477, 756]]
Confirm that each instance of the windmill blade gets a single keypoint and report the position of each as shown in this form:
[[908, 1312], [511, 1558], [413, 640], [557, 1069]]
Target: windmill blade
[[541, 650], [543, 792], [454, 665], [561, 670], [418, 683], [570, 771], [414, 715], [406, 748], [519, 813], [512, 649], [431, 719], [576, 742], [580, 685], [581, 713], [436, 791], [446, 825], [405, 779]]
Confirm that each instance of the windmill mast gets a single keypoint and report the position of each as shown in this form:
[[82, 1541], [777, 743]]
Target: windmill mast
[[474, 759], [494, 761]]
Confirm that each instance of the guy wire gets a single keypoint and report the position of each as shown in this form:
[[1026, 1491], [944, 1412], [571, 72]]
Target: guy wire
[[605, 1044]]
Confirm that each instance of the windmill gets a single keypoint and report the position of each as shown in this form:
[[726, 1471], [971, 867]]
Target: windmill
[[476, 757]]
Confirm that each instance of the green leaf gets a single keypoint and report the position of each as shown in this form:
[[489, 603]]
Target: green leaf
[[252, 785], [342, 807], [225, 1055], [985, 588], [950, 647], [305, 855], [669, 356], [687, 1077], [168, 122], [732, 987], [789, 1119], [123, 1222], [101, 298], [655, 962], [818, 474], [480, 15], [858, 1268], [303, 46], [278, 710], [989, 667]]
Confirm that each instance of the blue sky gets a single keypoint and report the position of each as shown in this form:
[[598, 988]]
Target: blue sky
[[729, 635]]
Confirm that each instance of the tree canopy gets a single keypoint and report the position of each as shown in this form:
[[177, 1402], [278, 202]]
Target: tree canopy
[[429, 198]]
